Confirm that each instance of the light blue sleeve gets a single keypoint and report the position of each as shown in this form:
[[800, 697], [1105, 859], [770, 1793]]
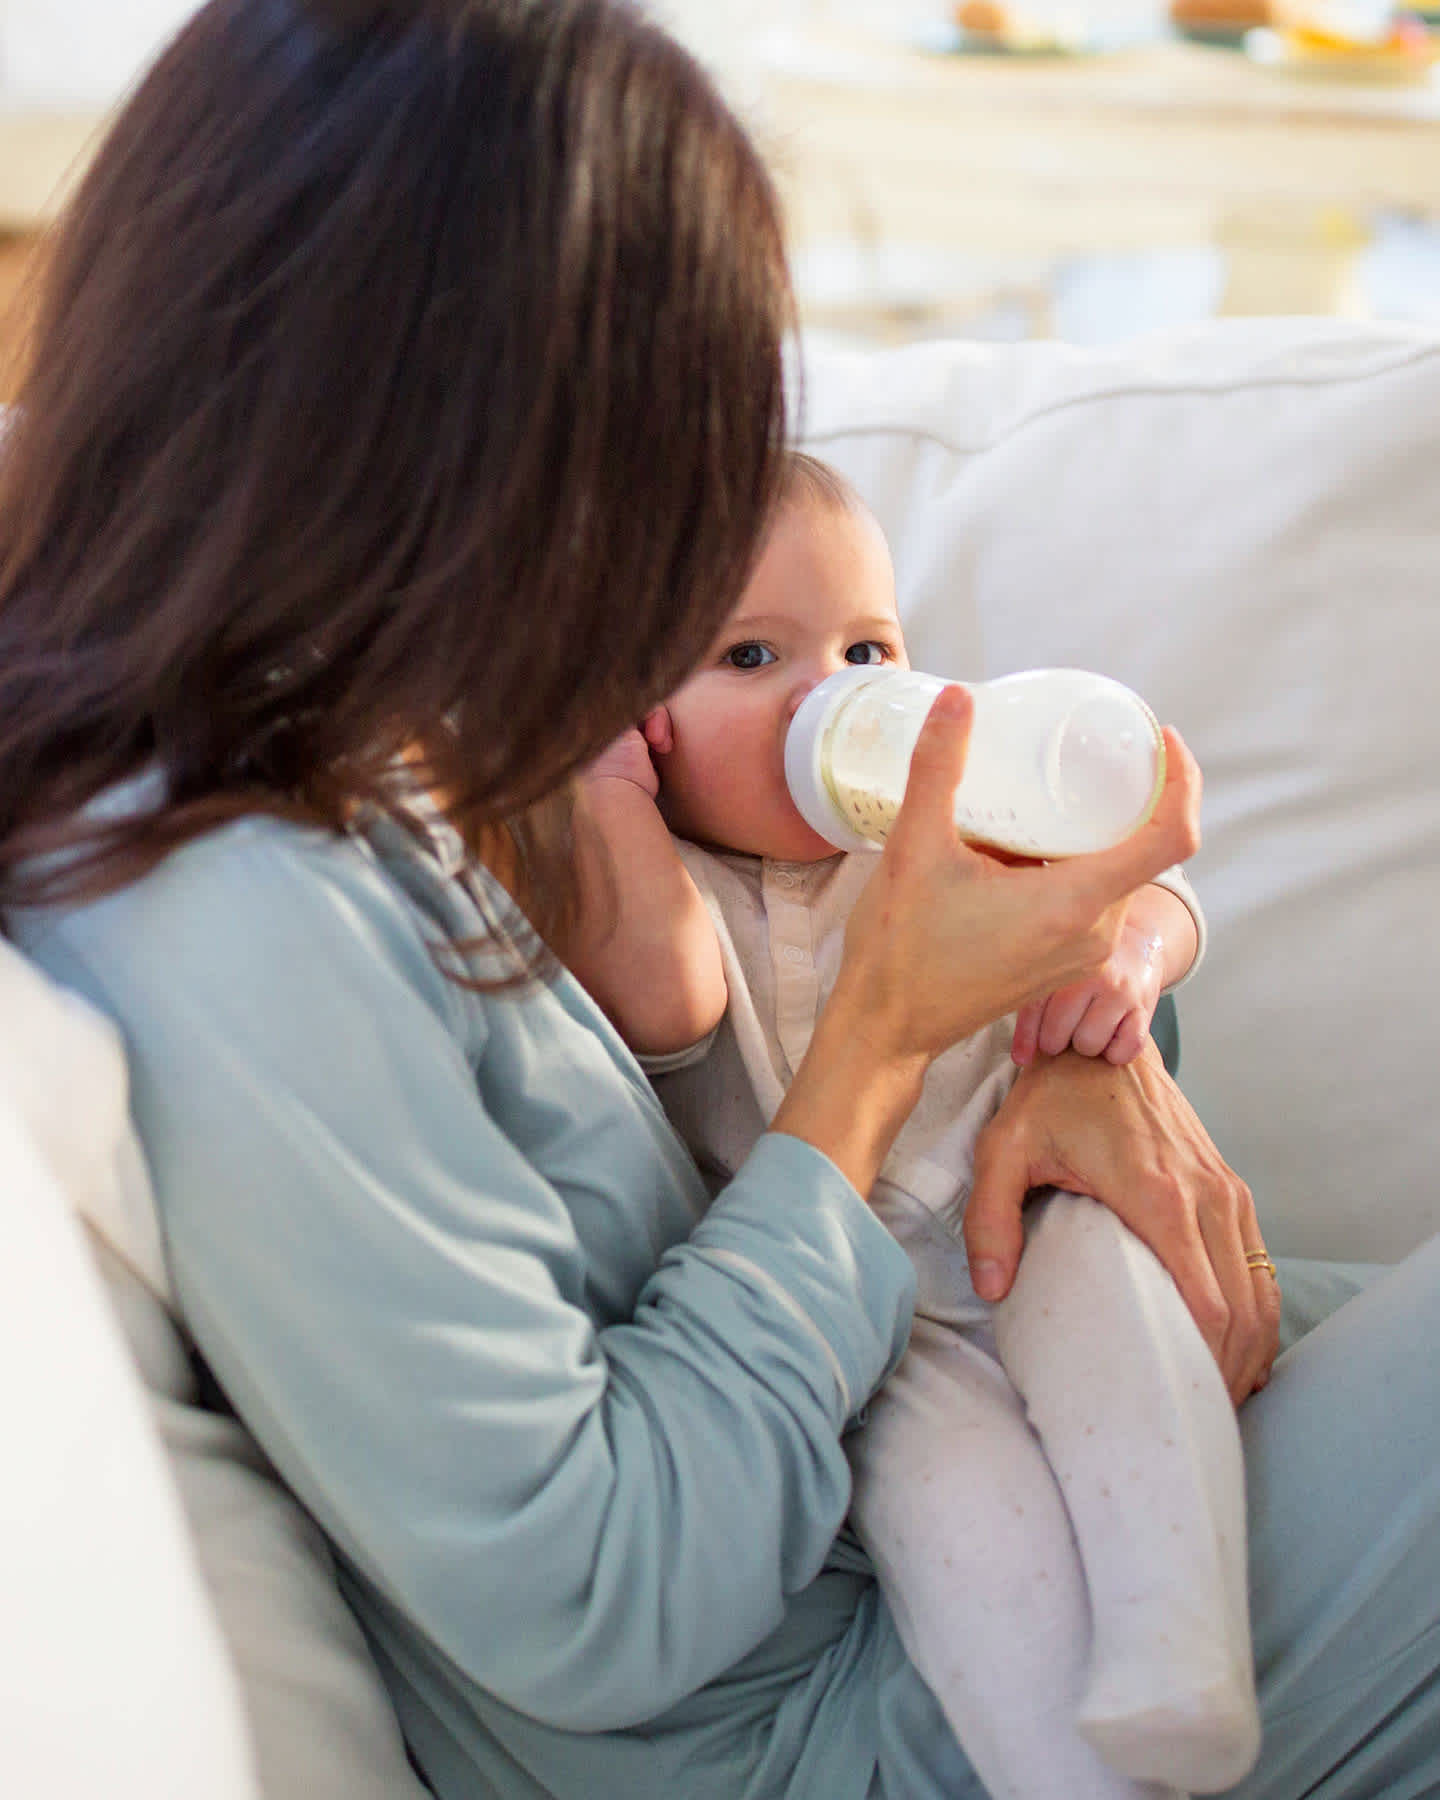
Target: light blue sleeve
[[442, 1254]]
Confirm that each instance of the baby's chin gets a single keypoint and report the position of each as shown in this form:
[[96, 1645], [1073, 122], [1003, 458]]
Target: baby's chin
[[775, 832], [791, 840]]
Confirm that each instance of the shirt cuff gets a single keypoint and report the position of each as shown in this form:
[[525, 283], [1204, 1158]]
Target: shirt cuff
[[666, 1062], [1175, 881]]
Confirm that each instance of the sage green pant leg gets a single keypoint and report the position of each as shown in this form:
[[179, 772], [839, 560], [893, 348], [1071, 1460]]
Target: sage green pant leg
[[1343, 1474]]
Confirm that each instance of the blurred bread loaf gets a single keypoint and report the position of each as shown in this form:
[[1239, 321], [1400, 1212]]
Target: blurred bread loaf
[[1221, 15], [985, 18]]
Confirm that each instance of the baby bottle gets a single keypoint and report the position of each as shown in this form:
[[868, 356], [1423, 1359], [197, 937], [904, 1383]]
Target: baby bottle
[[1061, 761]]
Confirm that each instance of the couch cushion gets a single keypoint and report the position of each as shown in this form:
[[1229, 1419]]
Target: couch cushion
[[1241, 522], [321, 1722], [113, 1677]]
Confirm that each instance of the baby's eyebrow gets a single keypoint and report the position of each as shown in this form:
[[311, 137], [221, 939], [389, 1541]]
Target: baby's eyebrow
[[753, 622]]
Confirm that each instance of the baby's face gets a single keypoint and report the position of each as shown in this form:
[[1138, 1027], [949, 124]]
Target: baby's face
[[822, 595]]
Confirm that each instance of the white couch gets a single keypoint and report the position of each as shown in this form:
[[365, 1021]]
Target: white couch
[[1241, 523]]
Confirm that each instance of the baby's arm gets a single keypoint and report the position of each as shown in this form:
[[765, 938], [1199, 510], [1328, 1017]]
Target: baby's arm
[[1109, 1014], [643, 943]]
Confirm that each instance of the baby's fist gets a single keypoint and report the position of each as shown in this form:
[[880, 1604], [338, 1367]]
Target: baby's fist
[[627, 758], [1108, 1014]]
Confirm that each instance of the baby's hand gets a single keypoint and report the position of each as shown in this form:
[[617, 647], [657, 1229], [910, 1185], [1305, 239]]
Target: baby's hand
[[1107, 1014], [628, 757]]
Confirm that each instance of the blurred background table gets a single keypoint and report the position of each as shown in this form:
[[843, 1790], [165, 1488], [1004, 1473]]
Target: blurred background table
[[920, 187], [1088, 197]]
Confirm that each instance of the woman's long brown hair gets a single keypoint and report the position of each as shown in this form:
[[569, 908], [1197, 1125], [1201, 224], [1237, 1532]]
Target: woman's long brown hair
[[405, 381]]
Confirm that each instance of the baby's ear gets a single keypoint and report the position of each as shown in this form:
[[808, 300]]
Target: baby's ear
[[657, 730]]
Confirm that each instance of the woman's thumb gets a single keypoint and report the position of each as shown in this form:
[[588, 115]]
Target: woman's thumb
[[994, 1231], [938, 760]]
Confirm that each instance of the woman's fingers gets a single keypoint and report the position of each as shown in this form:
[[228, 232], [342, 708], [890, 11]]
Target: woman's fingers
[[911, 969], [1078, 905], [1252, 1297], [1189, 1259], [1129, 1138], [1171, 835], [1202, 1229], [936, 765]]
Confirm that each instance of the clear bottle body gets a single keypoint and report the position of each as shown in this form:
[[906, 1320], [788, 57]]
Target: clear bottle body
[[1061, 761]]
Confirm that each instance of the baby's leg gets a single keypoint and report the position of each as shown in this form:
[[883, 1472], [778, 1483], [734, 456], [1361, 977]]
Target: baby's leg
[[961, 1516], [1143, 1439]]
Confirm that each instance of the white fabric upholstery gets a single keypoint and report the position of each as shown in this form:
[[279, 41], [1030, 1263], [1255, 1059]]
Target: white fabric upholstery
[[139, 1521], [1241, 522], [113, 1677]]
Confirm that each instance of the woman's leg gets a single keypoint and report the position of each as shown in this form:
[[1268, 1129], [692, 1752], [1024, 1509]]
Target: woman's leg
[[1343, 1471], [1141, 1434], [962, 1519], [1310, 1291]]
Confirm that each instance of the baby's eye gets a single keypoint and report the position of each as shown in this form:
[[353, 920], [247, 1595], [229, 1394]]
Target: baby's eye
[[748, 656], [869, 650]]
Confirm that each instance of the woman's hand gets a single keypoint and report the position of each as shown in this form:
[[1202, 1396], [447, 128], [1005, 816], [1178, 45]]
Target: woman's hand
[[946, 939], [1129, 1138]]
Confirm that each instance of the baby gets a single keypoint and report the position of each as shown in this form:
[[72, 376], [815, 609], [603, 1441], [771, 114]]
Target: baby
[[1050, 1488]]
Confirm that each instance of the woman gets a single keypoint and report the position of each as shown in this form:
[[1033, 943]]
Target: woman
[[405, 409]]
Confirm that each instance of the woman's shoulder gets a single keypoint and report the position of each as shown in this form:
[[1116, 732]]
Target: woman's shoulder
[[256, 904]]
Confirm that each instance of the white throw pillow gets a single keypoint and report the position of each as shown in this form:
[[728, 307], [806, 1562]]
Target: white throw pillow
[[1242, 522]]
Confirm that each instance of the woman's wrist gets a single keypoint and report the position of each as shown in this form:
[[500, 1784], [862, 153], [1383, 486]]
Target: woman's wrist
[[850, 1095]]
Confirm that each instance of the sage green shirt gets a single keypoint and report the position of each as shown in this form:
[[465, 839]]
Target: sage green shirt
[[573, 1429]]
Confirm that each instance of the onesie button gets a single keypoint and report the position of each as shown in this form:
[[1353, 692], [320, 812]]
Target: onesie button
[[793, 953]]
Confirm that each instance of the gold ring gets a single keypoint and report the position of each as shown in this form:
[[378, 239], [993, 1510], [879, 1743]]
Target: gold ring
[[1260, 1259]]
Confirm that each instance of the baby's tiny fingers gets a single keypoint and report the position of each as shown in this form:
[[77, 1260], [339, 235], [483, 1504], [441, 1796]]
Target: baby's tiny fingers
[[1026, 1038], [1129, 1038], [1096, 1031], [1061, 1020]]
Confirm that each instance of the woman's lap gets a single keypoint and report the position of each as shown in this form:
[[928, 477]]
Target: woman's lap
[[1310, 1291], [1343, 1469]]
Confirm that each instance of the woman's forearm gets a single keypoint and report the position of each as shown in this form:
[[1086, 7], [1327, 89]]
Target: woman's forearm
[[849, 1099]]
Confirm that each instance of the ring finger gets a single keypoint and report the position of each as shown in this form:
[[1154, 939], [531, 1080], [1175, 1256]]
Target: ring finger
[[1243, 1355]]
